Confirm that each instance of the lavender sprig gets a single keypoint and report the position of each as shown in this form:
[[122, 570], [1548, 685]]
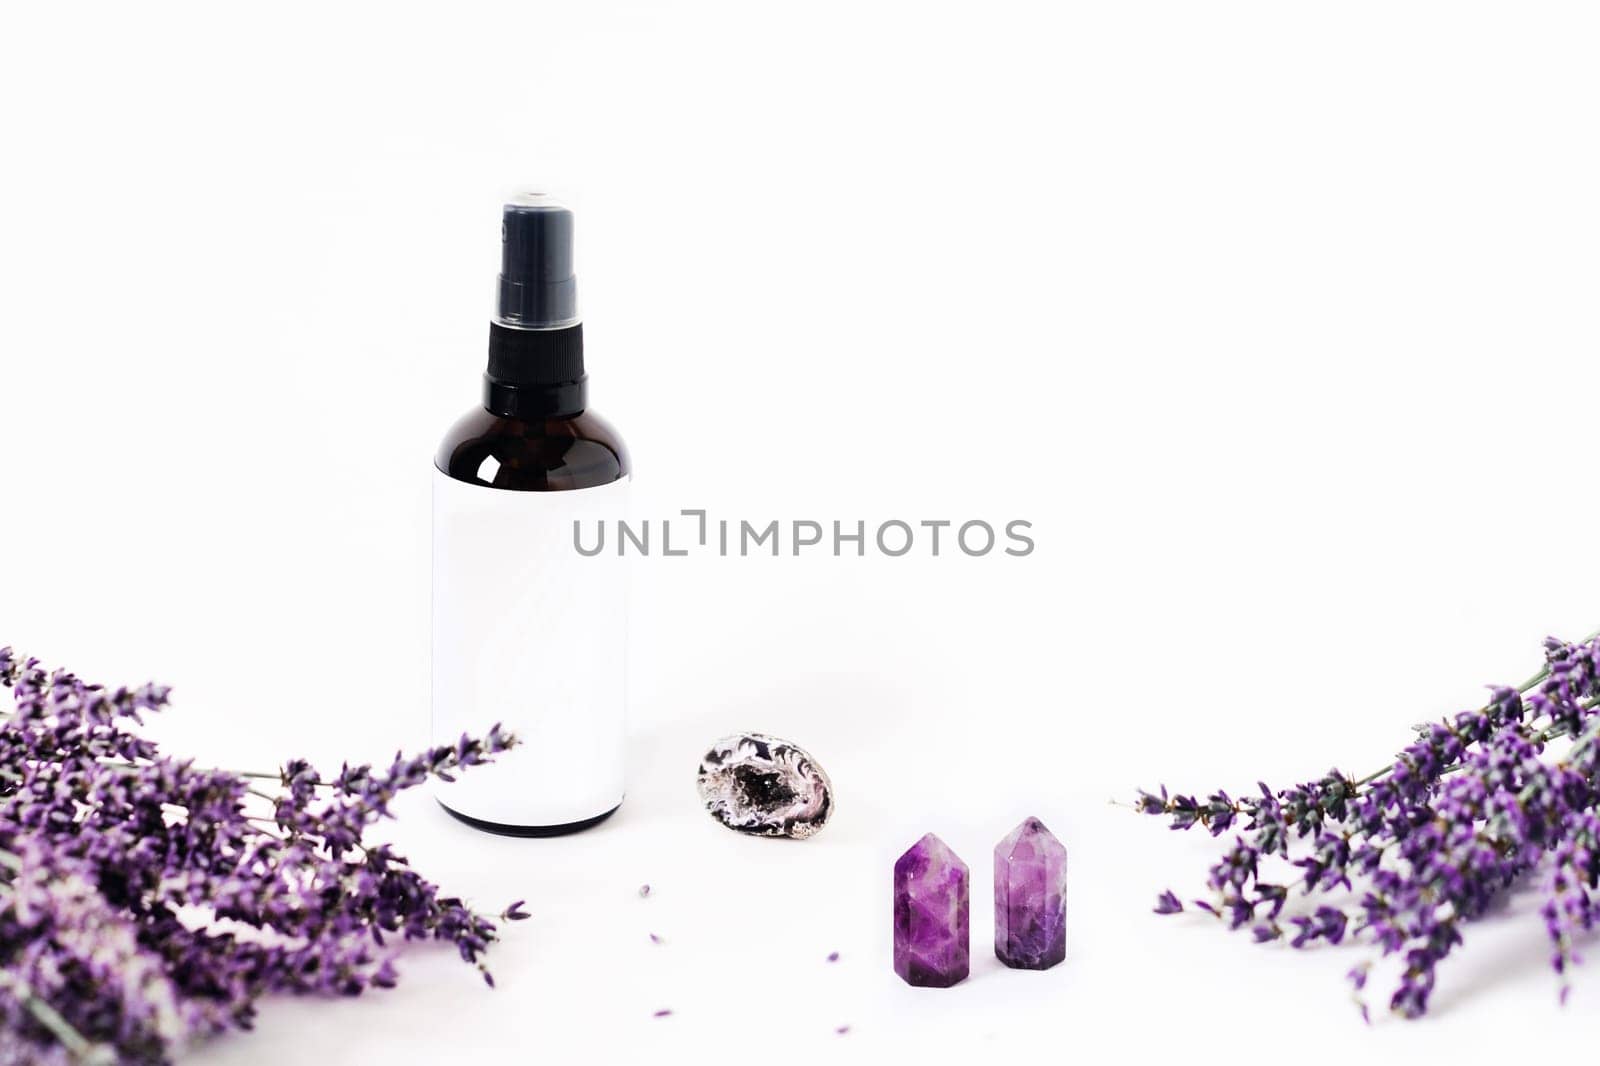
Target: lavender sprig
[[1424, 846], [105, 841]]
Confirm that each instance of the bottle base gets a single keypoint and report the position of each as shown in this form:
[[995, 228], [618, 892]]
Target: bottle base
[[528, 830]]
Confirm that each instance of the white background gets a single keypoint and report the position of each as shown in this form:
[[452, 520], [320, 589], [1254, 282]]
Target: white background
[[1277, 320]]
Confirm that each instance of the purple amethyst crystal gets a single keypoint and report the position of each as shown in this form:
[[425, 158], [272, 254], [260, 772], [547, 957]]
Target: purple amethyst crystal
[[1030, 898], [757, 784], [932, 943]]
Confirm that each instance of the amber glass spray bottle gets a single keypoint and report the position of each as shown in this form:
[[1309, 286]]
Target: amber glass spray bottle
[[526, 631]]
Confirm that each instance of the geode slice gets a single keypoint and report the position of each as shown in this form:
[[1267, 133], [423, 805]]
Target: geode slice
[[765, 786]]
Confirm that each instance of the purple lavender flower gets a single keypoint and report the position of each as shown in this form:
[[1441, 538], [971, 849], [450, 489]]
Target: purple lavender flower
[[1427, 844], [104, 840]]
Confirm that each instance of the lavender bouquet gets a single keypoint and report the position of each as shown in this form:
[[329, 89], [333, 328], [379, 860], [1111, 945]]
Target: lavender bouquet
[[146, 902], [1404, 858]]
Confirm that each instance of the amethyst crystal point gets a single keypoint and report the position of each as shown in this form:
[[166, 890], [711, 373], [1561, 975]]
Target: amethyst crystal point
[[758, 784], [1030, 898], [932, 943]]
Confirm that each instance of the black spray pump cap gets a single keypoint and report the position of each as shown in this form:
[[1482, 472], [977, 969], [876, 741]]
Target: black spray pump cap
[[535, 341], [538, 286]]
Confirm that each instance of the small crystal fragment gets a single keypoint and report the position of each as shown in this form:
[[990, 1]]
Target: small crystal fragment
[[758, 784], [1030, 898], [932, 941]]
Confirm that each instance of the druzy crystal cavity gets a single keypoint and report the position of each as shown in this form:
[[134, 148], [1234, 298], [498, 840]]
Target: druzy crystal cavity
[[758, 784], [932, 938], [1030, 898]]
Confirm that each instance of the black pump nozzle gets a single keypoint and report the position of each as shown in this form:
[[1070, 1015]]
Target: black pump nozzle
[[535, 341], [538, 287]]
